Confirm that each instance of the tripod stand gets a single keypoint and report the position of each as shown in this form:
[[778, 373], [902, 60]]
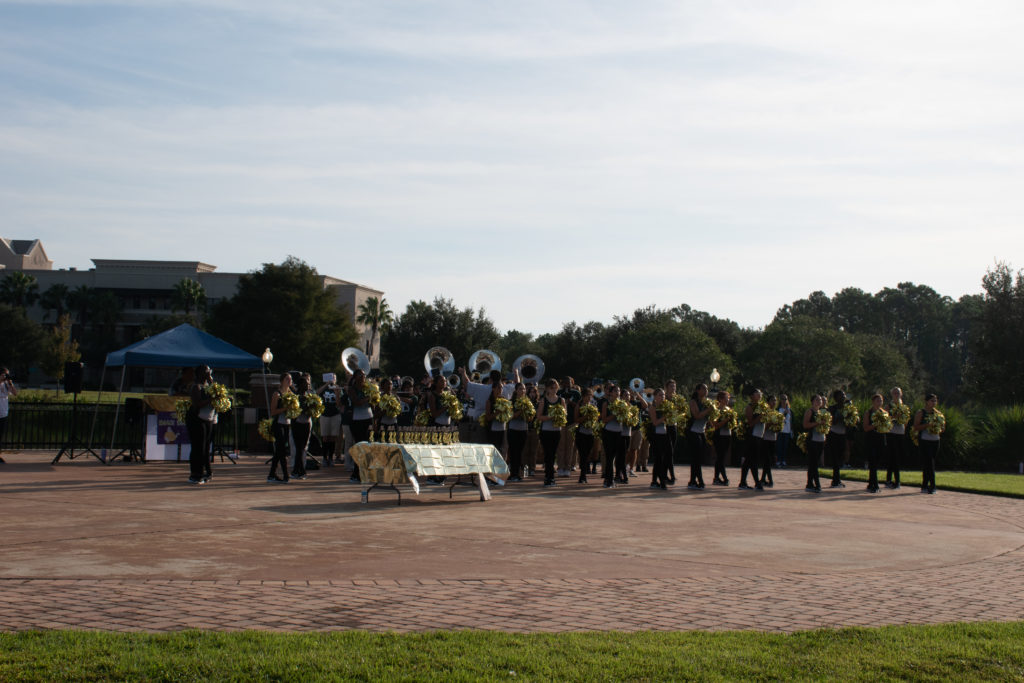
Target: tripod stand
[[69, 446]]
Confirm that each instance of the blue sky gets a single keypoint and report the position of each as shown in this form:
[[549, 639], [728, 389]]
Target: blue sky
[[547, 161]]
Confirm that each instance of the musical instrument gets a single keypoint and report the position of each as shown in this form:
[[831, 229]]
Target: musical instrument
[[439, 360], [636, 384], [599, 393], [353, 359], [530, 367], [454, 381], [483, 361]]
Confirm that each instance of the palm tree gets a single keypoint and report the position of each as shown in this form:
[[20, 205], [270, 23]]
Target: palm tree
[[377, 316], [80, 300], [55, 298], [19, 289], [188, 295]]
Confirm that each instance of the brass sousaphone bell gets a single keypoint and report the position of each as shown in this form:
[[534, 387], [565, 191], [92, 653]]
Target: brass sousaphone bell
[[482, 362], [636, 385], [353, 359], [530, 367], [439, 361]]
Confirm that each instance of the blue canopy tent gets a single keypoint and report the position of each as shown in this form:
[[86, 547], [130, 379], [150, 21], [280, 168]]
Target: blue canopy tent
[[182, 346]]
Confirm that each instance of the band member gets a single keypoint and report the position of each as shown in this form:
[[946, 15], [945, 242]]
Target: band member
[[929, 441], [815, 444], [768, 440], [876, 442], [302, 427], [835, 443], [722, 441], [517, 431], [496, 434], [567, 457], [330, 421], [362, 414], [199, 422], [532, 436], [549, 433], [622, 472], [584, 434], [478, 394], [782, 445], [659, 440], [895, 441], [281, 429], [696, 444], [384, 422], [611, 436], [755, 430]]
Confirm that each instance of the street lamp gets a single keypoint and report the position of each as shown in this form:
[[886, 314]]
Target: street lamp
[[714, 377], [267, 358]]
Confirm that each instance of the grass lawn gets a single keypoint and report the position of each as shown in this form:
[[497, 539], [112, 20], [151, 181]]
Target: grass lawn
[[955, 651], [1010, 485], [53, 396]]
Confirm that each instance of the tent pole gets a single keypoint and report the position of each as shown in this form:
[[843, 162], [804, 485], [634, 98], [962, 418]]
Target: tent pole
[[117, 411], [234, 409]]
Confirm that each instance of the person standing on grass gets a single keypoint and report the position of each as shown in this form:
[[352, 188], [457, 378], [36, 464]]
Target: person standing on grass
[[929, 437], [7, 389]]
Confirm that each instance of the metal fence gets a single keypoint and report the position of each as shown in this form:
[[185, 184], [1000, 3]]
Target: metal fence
[[45, 426]]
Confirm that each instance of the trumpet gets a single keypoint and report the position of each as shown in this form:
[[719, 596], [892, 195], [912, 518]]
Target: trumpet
[[439, 360], [483, 361], [530, 367], [353, 359]]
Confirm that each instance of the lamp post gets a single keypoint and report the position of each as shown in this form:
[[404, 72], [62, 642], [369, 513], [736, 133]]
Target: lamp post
[[267, 358], [714, 377]]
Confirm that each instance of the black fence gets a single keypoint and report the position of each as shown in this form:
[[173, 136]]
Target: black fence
[[45, 426]]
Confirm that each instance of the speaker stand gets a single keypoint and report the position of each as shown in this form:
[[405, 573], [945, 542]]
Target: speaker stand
[[69, 447]]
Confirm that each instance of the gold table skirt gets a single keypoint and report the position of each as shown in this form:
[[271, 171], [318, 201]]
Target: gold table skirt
[[395, 463]]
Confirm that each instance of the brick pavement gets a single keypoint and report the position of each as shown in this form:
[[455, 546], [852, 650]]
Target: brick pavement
[[131, 548]]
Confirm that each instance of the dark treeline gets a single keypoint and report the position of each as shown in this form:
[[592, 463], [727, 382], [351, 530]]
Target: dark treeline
[[908, 335]]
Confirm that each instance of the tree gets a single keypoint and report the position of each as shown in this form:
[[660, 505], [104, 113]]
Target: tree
[[576, 351], [187, 296], [79, 302], [55, 298], [665, 349], [286, 307], [377, 315], [423, 326], [19, 289], [997, 370], [21, 340], [58, 349]]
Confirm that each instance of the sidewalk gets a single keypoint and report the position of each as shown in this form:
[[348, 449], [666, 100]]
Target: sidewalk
[[133, 547]]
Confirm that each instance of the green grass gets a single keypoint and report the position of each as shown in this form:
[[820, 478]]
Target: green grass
[[956, 651], [53, 396], [1010, 485]]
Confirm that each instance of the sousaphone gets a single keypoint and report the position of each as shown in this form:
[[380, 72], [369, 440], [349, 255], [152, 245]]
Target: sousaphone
[[636, 385], [353, 359], [439, 360], [482, 362], [530, 367]]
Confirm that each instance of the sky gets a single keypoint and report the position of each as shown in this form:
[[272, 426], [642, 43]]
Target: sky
[[547, 161]]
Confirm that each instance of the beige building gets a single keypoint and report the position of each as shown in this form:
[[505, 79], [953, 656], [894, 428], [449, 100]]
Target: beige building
[[144, 288]]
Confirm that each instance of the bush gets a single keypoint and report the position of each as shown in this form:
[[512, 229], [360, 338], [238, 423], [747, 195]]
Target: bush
[[999, 439]]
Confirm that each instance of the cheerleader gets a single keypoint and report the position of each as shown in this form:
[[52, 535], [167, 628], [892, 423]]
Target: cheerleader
[[815, 444], [659, 440], [896, 441], [695, 441], [567, 458], [362, 414], [768, 441], [199, 422], [302, 427], [584, 434], [623, 472], [636, 436], [532, 436], [722, 441], [876, 442], [549, 433], [496, 433], [385, 422], [673, 433], [330, 421], [929, 442], [782, 445], [517, 430], [755, 430], [611, 436], [835, 443], [280, 429]]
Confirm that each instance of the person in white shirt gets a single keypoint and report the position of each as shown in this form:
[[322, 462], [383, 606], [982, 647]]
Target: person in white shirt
[[7, 389], [478, 393]]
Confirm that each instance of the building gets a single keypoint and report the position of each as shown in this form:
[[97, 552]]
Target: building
[[144, 288]]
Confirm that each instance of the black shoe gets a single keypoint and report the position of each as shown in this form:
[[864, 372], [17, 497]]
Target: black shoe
[[839, 485], [549, 482], [759, 487], [583, 480], [608, 484], [273, 478], [356, 480], [743, 487]]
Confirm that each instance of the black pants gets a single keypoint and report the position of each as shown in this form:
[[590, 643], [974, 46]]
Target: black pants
[[835, 447], [549, 444], [612, 442], [696, 444], [722, 446], [876, 449], [895, 446], [300, 435], [496, 438], [516, 443], [673, 436], [750, 457], [585, 446], [620, 462], [280, 433], [360, 432], [767, 455], [929, 451], [814, 450], [199, 454], [660, 451]]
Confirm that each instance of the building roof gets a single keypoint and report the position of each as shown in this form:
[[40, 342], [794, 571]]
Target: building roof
[[133, 264]]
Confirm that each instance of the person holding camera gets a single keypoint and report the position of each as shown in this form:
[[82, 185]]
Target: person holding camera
[[7, 389]]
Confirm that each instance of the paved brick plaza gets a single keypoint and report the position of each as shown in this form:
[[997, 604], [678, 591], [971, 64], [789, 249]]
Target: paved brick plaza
[[133, 547]]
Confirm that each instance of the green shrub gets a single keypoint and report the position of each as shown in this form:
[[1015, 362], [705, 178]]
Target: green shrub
[[999, 439]]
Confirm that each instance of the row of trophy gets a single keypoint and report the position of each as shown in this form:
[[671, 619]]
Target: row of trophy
[[436, 435]]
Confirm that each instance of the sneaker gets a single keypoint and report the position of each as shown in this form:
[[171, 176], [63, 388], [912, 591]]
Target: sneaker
[[932, 491], [355, 480], [608, 485], [299, 476], [719, 482], [759, 487], [193, 480], [328, 463], [550, 482], [817, 489], [693, 487], [654, 486], [744, 487], [840, 485], [272, 478], [895, 486], [582, 480], [809, 489]]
